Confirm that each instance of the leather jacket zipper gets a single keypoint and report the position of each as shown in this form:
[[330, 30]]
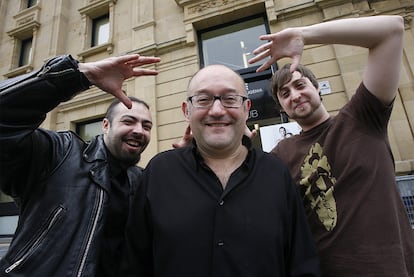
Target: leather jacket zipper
[[38, 240], [92, 232]]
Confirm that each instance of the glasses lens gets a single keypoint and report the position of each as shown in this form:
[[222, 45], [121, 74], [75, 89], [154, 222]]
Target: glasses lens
[[231, 101], [206, 101], [202, 100]]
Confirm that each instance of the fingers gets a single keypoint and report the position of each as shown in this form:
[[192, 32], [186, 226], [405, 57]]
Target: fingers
[[188, 131], [254, 134], [263, 52], [179, 144], [295, 62], [128, 59], [262, 48], [259, 57], [264, 66], [148, 60], [185, 140], [137, 60], [123, 98], [144, 72]]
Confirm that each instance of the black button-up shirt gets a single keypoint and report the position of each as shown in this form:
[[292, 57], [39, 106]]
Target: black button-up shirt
[[113, 240], [185, 224]]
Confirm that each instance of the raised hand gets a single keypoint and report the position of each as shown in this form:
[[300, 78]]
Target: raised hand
[[286, 43], [109, 74]]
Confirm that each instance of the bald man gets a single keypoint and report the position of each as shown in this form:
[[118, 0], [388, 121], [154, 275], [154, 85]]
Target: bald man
[[218, 207]]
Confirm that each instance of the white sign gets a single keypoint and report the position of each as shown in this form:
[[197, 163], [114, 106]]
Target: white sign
[[272, 134], [325, 87]]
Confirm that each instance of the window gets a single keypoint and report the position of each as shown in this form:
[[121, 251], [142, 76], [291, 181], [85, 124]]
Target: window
[[232, 44], [100, 30], [24, 37], [87, 130], [31, 3], [97, 27], [8, 221], [25, 52]]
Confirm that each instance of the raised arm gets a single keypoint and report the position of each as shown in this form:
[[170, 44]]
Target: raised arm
[[382, 35], [25, 101]]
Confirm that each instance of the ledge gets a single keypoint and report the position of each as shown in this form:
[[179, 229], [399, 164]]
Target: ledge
[[108, 47]]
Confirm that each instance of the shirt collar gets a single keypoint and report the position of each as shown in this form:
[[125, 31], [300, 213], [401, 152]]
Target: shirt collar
[[246, 141]]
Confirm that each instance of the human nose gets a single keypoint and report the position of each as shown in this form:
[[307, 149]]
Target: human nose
[[295, 95], [138, 128], [217, 106]]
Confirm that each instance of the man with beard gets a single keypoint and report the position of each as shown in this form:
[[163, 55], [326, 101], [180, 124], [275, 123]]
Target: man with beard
[[343, 165], [73, 196]]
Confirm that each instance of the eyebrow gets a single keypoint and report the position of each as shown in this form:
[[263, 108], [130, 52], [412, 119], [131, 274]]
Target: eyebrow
[[135, 118], [205, 91], [301, 79]]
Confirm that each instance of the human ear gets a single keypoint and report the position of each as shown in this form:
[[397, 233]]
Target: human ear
[[184, 108], [105, 125]]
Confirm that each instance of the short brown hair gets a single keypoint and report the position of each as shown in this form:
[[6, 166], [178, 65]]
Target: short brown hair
[[283, 76]]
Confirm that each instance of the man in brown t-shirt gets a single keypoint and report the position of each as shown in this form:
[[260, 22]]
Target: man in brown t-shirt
[[343, 165]]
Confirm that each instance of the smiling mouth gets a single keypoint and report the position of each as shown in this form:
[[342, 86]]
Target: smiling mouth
[[217, 125], [133, 143], [301, 106]]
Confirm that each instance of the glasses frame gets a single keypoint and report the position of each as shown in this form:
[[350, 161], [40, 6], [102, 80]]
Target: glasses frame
[[214, 98]]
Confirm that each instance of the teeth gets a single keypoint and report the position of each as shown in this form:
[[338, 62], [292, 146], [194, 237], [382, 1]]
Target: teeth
[[133, 143]]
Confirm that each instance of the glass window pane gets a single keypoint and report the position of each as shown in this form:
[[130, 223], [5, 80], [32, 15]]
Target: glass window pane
[[88, 130], [8, 225], [25, 52], [233, 45], [31, 3], [5, 198], [100, 30]]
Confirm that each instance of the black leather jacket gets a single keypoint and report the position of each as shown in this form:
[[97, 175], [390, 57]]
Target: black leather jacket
[[59, 181]]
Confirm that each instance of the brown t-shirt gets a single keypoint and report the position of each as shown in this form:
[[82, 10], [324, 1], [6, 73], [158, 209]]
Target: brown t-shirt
[[345, 170]]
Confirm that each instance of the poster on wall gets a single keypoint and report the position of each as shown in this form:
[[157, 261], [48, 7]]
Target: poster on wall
[[272, 134]]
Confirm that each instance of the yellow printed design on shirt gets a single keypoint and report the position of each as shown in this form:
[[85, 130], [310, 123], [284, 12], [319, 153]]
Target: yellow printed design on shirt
[[317, 186]]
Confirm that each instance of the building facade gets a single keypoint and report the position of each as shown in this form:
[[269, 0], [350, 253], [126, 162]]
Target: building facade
[[186, 35]]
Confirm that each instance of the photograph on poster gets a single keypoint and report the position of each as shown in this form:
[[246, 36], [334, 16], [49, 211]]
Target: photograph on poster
[[272, 134]]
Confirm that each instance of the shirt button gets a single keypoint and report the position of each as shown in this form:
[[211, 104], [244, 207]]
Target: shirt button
[[220, 243], [221, 203]]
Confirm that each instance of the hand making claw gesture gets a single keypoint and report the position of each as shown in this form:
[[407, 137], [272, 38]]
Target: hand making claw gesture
[[286, 43], [110, 73]]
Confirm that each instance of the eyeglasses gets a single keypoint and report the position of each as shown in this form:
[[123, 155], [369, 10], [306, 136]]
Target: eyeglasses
[[207, 100]]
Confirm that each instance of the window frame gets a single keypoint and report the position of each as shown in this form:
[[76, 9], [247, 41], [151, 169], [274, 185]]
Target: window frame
[[94, 10], [27, 27], [263, 16]]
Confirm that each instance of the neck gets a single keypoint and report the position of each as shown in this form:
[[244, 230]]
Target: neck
[[224, 165], [313, 120]]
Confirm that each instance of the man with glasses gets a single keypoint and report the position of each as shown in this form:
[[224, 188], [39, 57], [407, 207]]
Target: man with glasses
[[218, 207]]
